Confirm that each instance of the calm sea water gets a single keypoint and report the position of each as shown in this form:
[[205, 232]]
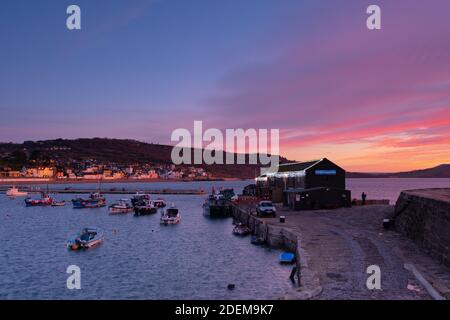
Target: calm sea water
[[140, 259], [390, 188]]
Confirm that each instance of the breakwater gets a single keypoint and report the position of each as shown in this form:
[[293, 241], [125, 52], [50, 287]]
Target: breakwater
[[129, 191], [424, 216]]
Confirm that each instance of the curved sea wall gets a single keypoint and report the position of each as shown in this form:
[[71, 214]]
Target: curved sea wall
[[424, 216], [283, 238]]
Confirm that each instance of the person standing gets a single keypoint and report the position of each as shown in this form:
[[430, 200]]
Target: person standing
[[364, 197]]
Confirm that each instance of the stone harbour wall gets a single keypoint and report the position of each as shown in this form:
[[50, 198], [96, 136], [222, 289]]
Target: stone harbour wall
[[275, 236], [283, 238], [424, 216]]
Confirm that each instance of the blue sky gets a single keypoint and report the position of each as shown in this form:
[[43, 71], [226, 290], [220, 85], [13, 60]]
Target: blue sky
[[140, 69], [133, 61]]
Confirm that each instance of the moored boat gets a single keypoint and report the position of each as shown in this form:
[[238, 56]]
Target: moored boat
[[88, 238], [95, 200], [144, 208], [15, 192], [44, 201], [58, 203], [159, 203], [170, 216], [241, 230], [139, 198], [287, 258], [257, 241], [121, 206]]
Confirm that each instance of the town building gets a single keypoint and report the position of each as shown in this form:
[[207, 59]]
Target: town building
[[306, 185]]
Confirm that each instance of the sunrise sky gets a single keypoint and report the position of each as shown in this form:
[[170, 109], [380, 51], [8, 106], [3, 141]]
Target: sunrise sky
[[368, 100]]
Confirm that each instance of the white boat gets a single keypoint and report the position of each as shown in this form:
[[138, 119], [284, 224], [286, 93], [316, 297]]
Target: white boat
[[241, 230], [159, 203], [14, 192], [121, 206], [170, 216]]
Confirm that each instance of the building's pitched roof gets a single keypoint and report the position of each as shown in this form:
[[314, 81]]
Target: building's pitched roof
[[297, 166]]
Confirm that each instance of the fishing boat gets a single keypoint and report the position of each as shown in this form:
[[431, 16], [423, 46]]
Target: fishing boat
[[121, 206], [241, 230], [44, 201], [88, 238], [139, 198], [170, 216], [287, 258], [58, 203], [159, 203], [14, 192], [144, 208], [95, 200]]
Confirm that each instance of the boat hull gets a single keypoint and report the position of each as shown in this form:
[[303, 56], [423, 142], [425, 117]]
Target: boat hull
[[59, 204], [287, 258], [37, 203], [170, 221], [79, 244], [119, 210], [88, 204], [16, 194], [241, 231], [143, 211]]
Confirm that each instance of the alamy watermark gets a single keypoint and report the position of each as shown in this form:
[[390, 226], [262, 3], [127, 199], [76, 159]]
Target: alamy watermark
[[73, 282], [235, 146], [374, 20], [73, 22], [374, 280]]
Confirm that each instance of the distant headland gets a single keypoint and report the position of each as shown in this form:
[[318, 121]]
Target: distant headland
[[125, 159]]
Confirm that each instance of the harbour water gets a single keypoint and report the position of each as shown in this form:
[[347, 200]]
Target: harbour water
[[140, 259]]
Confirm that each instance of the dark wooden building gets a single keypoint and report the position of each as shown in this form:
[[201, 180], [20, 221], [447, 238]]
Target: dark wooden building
[[306, 185]]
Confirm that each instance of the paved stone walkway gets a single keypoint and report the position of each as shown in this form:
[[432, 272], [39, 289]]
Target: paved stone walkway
[[342, 243]]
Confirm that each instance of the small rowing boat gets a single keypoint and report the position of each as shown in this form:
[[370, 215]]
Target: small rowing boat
[[159, 203], [287, 258], [88, 238], [58, 203], [241, 230], [257, 241]]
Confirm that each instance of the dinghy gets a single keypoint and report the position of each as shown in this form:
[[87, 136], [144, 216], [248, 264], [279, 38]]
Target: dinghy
[[58, 203], [88, 238], [257, 241], [241, 230], [159, 203], [287, 258]]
